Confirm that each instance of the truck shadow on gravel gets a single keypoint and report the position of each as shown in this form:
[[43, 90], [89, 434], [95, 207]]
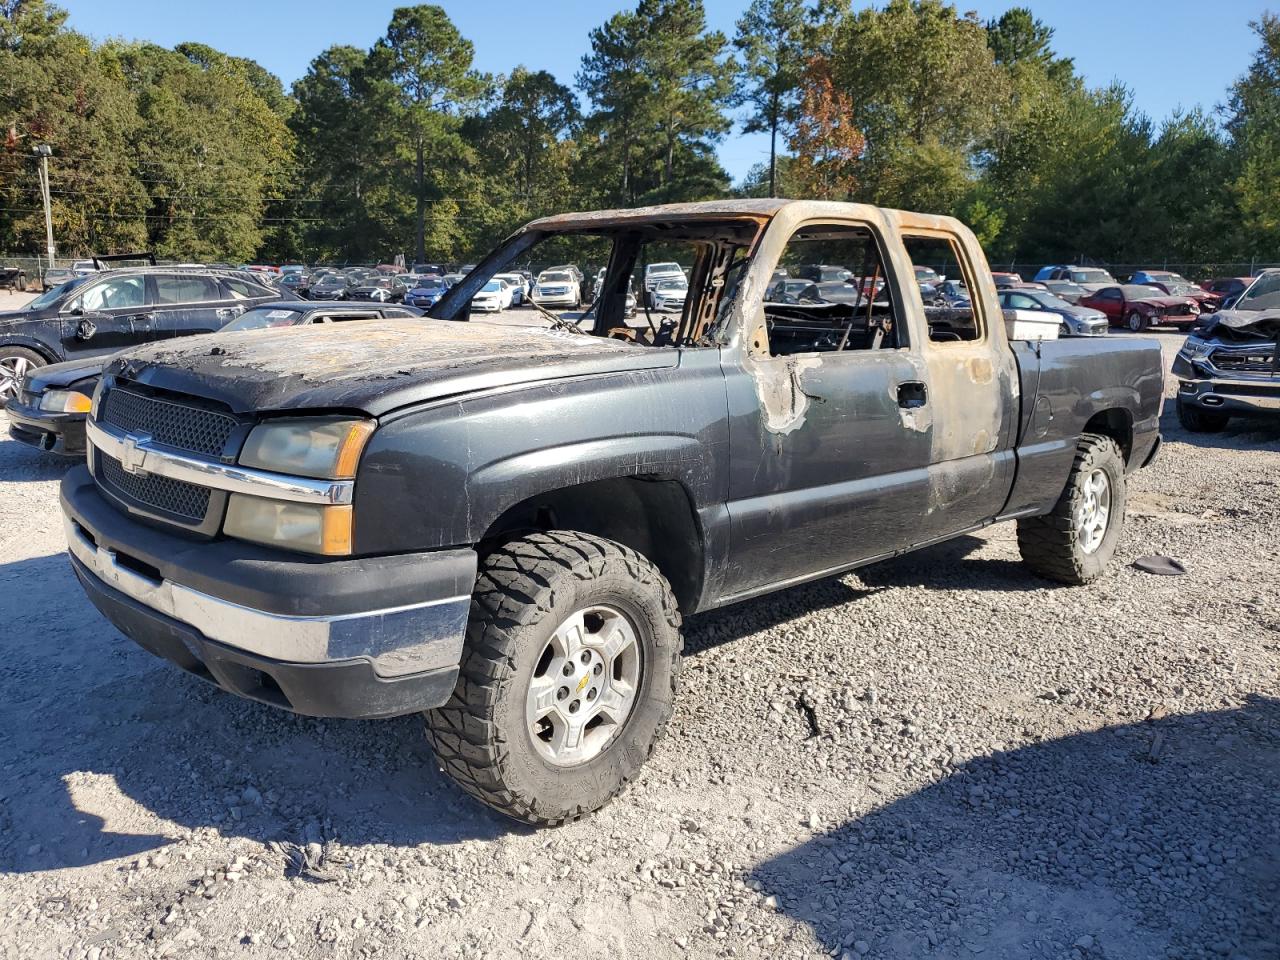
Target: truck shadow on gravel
[[98, 739], [945, 566], [1155, 839]]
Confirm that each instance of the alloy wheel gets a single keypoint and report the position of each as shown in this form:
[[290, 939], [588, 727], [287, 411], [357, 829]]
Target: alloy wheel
[[1094, 511], [12, 372], [584, 686]]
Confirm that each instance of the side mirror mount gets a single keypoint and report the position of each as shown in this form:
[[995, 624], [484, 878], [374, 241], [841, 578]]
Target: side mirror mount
[[85, 330], [1228, 302]]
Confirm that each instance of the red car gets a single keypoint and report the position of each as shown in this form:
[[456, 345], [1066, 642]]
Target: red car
[[1227, 286], [1139, 307]]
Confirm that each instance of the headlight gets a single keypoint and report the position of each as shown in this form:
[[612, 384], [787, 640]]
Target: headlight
[[296, 526], [65, 401], [1195, 349], [321, 447]]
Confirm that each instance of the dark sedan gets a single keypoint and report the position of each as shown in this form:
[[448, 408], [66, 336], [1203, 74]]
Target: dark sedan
[[1140, 307], [334, 286], [1076, 321], [50, 410], [379, 289], [296, 281]]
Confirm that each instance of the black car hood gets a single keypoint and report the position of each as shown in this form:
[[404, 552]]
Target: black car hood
[[376, 365], [56, 376]]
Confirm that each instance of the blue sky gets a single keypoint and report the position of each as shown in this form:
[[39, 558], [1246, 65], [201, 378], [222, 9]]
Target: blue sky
[[1170, 53]]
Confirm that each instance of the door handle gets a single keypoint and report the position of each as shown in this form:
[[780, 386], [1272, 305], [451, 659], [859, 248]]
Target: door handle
[[912, 394], [146, 318]]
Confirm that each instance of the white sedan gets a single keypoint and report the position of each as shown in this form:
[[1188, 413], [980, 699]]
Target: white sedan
[[494, 296], [557, 288], [670, 294], [516, 283]]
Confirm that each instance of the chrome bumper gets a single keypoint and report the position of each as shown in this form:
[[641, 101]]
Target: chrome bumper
[[398, 640]]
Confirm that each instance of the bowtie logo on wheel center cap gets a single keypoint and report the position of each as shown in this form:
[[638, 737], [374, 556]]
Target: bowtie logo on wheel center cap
[[586, 678]]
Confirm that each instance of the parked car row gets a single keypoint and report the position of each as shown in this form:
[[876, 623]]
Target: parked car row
[[53, 401]]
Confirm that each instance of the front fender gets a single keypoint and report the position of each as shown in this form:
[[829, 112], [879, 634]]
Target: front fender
[[31, 343], [441, 476]]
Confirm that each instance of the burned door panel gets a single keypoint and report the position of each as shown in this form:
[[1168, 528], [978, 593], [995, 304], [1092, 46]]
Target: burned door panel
[[843, 483]]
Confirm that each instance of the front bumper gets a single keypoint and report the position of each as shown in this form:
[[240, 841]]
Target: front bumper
[[61, 433], [357, 638], [555, 300], [1238, 396]]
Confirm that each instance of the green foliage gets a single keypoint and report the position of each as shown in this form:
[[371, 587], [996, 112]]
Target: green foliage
[[406, 147], [924, 89], [660, 83], [774, 39], [1254, 125]]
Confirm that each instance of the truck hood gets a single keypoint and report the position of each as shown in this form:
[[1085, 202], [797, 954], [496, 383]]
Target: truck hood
[[1244, 324], [375, 366]]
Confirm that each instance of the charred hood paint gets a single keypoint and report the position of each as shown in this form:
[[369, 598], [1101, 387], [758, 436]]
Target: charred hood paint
[[375, 366]]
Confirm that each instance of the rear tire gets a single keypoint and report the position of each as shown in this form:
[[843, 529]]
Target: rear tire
[[1197, 420], [1065, 544], [515, 751]]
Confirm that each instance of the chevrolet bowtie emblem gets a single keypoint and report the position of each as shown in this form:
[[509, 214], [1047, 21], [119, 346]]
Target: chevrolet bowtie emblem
[[132, 453]]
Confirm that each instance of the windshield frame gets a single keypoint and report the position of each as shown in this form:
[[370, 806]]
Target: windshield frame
[[54, 294]]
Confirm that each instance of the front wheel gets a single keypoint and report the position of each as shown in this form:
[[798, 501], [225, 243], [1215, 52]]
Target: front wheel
[[1075, 541], [568, 677], [1198, 420], [15, 364], [1137, 322]]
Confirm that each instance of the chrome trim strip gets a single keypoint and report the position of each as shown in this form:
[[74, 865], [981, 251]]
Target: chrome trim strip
[[399, 640], [140, 454]]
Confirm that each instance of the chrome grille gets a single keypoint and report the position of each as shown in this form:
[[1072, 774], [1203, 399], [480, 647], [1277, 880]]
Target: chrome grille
[[1250, 362], [162, 494], [173, 424]]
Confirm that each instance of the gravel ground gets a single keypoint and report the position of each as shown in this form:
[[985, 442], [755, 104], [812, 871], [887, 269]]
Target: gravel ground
[[940, 756]]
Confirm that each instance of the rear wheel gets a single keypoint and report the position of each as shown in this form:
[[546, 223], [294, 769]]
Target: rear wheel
[[1199, 420], [568, 677], [15, 364], [1075, 541], [1137, 322]]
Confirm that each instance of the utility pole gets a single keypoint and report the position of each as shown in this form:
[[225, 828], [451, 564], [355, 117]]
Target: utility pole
[[44, 152]]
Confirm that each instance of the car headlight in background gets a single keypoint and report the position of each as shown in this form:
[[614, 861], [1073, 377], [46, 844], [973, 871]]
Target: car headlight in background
[[326, 448], [65, 401]]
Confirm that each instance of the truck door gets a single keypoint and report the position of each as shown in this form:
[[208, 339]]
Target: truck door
[[830, 455], [974, 405]]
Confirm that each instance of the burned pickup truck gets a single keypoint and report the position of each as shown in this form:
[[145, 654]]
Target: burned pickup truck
[[502, 526], [1230, 365]]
